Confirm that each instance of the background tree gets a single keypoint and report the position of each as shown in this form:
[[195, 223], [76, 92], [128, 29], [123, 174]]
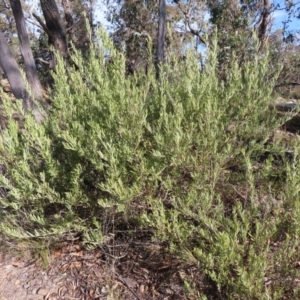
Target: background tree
[[288, 54], [54, 28], [161, 35], [76, 14], [132, 22], [56, 34], [12, 71], [135, 22], [30, 67]]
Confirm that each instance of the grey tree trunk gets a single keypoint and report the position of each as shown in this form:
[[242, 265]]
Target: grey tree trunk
[[161, 33], [30, 67], [265, 21], [11, 70]]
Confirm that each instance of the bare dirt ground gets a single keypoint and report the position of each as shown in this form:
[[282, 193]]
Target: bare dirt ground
[[133, 272]]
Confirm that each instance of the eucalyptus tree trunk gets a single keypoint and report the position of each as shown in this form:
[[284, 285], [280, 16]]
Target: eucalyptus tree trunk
[[161, 33], [30, 67], [54, 28], [11, 70], [265, 21]]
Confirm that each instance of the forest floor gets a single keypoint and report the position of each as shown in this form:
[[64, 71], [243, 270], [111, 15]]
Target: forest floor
[[136, 270]]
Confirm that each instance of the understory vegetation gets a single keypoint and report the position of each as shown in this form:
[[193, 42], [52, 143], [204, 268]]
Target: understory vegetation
[[189, 159]]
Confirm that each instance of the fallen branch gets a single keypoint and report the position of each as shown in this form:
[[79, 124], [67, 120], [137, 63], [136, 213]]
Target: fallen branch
[[43, 61], [127, 285], [42, 24]]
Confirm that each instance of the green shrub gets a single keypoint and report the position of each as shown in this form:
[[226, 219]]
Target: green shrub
[[193, 153]]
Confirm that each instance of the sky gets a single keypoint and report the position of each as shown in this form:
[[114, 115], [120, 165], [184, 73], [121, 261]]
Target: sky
[[100, 14], [281, 15]]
